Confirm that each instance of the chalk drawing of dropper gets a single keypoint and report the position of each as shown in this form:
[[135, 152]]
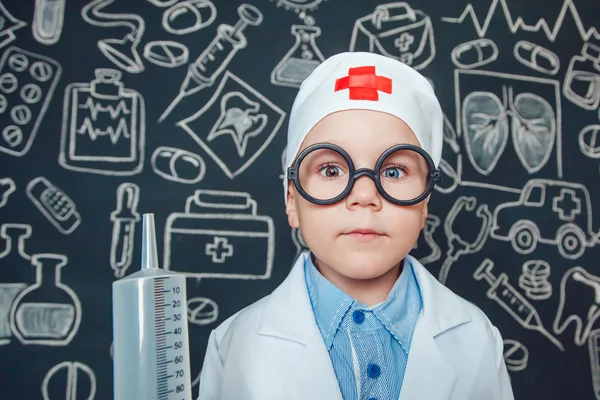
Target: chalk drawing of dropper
[[512, 301], [203, 72]]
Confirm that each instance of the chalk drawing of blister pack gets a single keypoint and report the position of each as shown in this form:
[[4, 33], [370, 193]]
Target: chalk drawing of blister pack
[[396, 30], [220, 235], [103, 127], [27, 84], [550, 212], [235, 126], [492, 106]]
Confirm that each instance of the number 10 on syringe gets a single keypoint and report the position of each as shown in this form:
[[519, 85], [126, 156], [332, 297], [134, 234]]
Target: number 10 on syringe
[[151, 352]]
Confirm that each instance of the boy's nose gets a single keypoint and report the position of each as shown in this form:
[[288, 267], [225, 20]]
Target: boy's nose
[[364, 193]]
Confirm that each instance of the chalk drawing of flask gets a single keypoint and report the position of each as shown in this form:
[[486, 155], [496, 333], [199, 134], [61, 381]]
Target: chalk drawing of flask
[[582, 80], [14, 263], [47, 312], [103, 130], [300, 60]]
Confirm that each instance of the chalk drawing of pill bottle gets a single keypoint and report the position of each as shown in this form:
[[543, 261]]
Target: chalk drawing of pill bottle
[[47, 312], [14, 265], [302, 58], [103, 128], [582, 81]]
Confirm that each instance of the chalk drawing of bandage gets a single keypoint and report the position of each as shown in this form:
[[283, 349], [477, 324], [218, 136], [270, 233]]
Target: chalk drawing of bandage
[[80, 382], [103, 126], [244, 116], [122, 52], [8, 26]]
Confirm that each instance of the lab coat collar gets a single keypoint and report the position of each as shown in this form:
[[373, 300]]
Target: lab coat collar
[[288, 315]]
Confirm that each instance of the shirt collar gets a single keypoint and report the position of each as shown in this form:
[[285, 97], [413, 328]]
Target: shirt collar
[[398, 313]]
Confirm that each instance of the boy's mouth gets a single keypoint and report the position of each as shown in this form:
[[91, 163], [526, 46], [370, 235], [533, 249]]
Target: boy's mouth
[[363, 234]]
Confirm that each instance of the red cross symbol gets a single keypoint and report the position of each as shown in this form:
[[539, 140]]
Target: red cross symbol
[[363, 84]]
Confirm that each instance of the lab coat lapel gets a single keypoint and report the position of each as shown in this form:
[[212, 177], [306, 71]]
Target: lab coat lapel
[[428, 374], [288, 315]]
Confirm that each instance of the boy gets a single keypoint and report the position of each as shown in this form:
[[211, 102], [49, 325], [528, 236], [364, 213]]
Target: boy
[[357, 317]]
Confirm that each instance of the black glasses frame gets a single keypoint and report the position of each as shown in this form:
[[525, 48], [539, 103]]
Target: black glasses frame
[[435, 175]]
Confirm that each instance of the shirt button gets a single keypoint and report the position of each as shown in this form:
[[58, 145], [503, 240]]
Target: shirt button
[[373, 371], [372, 398], [358, 316]]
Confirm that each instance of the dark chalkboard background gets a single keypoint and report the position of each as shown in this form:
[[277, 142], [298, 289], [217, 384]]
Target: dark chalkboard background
[[521, 161]]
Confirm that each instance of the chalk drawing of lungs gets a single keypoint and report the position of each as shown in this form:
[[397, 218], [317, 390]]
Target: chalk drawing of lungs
[[27, 84], [242, 124], [220, 235], [491, 106], [103, 127], [48, 312], [69, 380], [8, 26], [396, 30], [550, 212], [579, 304]]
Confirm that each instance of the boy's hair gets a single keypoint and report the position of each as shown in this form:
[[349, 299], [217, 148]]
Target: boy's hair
[[366, 81]]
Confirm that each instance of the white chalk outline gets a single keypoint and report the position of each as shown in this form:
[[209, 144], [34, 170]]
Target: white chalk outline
[[58, 283], [307, 5], [208, 316], [570, 231], [514, 26], [514, 346], [221, 163], [518, 303], [174, 154], [507, 81], [594, 351], [130, 114], [592, 99], [535, 285], [67, 219], [316, 56], [20, 248], [534, 51], [594, 150], [241, 213], [383, 12], [35, 60], [561, 323], [169, 60], [192, 6], [71, 389], [162, 3], [5, 194], [132, 21], [477, 45], [431, 224], [124, 219], [10, 32], [41, 19]]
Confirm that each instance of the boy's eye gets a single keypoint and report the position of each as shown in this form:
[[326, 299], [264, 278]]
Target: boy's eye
[[393, 173], [331, 171]]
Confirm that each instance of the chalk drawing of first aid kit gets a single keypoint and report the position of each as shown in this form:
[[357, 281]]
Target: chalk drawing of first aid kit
[[397, 31], [220, 235], [103, 128]]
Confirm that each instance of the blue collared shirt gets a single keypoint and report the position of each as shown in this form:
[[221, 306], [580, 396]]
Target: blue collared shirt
[[368, 346]]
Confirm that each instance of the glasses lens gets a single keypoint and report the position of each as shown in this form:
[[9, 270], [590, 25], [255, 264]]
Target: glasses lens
[[323, 174], [404, 174]]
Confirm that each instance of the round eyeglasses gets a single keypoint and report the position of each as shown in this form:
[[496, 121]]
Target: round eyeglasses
[[324, 174]]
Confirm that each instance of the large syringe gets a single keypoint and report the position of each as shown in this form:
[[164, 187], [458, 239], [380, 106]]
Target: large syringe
[[216, 57], [150, 332], [512, 301]]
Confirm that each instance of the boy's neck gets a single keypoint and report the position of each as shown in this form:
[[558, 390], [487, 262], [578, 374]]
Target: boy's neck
[[367, 291]]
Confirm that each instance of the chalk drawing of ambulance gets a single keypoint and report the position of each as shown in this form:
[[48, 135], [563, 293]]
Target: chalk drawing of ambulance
[[550, 212]]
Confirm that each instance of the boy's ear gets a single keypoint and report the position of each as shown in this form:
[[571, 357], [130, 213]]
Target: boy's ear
[[290, 207]]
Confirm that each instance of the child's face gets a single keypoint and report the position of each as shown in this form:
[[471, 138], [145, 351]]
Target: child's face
[[364, 135]]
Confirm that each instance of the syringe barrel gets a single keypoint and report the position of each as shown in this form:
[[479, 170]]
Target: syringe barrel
[[150, 343], [216, 57]]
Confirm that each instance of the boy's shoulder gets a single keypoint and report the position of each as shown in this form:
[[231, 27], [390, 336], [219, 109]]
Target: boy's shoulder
[[245, 320]]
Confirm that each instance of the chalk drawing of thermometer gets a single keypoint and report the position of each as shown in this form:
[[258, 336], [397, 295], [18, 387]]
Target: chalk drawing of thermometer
[[512, 301], [203, 72]]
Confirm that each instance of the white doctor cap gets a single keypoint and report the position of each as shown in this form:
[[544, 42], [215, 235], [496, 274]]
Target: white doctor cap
[[360, 80]]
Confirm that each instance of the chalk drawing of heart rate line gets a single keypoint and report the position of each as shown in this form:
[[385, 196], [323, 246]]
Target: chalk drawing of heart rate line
[[518, 23], [118, 112]]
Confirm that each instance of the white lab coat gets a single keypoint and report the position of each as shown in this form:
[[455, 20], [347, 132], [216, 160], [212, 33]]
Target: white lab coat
[[273, 349]]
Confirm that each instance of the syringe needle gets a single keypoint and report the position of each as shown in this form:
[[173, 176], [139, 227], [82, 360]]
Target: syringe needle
[[174, 103], [554, 340]]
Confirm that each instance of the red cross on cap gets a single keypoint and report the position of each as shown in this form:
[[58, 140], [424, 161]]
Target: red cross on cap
[[364, 84]]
